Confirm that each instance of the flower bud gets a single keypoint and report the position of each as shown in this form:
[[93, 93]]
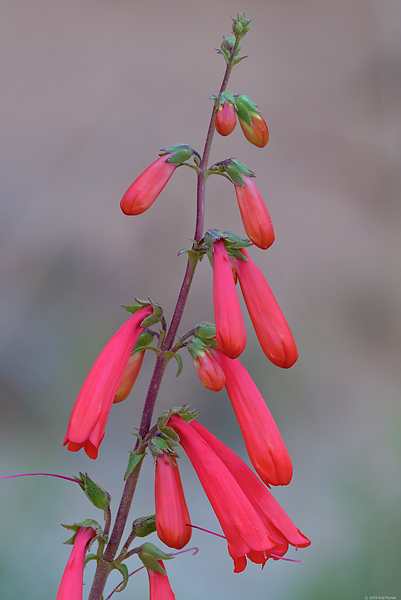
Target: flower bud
[[262, 438], [230, 328], [251, 121], [172, 516], [145, 189], [254, 214], [96, 494], [228, 44], [129, 376], [270, 326], [208, 369], [257, 132], [132, 369], [225, 119], [144, 526]]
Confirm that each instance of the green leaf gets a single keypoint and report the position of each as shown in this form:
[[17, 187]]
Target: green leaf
[[133, 461], [178, 358], [124, 572], [91, 557]]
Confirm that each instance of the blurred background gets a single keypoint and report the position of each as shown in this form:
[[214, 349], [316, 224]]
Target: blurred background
[[91, 90]]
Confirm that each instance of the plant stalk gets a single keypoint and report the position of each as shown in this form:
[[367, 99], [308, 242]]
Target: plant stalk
[[105, 564]]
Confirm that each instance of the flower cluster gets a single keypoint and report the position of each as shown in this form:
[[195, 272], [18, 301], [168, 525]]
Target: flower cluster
[[254, 127], [101, 387], [269, 323], [255, 526]]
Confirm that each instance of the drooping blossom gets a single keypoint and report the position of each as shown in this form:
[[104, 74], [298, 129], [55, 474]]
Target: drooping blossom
[[172, 516], [279, 525], [255, 132], [243, 528], [145, 189], [225, 119], [71, 586], [91, 409], [230, 328], [270, 326], [159, 585], [254, 214], [262, 438]]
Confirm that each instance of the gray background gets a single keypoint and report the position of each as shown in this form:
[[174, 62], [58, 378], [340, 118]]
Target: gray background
[[90, 91]]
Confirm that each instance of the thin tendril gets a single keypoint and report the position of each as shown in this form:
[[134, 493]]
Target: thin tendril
[[45, 474]]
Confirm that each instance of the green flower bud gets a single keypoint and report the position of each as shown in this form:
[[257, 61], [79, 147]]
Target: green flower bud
[[144, 526], [205, 331], [96, 494]]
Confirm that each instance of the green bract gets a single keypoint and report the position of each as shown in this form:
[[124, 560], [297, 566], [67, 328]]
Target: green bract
[[96, 494]]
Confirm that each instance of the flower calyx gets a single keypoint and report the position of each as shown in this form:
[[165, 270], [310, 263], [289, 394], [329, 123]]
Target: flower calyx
[[234, 169], [86, 524], [245, 106], [150, 555], [206, 332], [232, 242], [180, 153], [186, 412], [96, 494], [144, 526], [241, 25], [154, 318]]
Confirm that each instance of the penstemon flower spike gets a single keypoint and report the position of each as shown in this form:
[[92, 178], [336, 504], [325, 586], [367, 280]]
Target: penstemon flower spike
[[254, 525]]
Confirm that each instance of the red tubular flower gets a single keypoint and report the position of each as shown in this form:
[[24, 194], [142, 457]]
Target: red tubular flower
[[172, 516], [225, 119], [245, 533], [159, 585], [254, 214], [129, 376], [257, 133], [279, 525], [230, 328], [91, 409], [269, 323], [262, 438], [145, 189], [71, 585]]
